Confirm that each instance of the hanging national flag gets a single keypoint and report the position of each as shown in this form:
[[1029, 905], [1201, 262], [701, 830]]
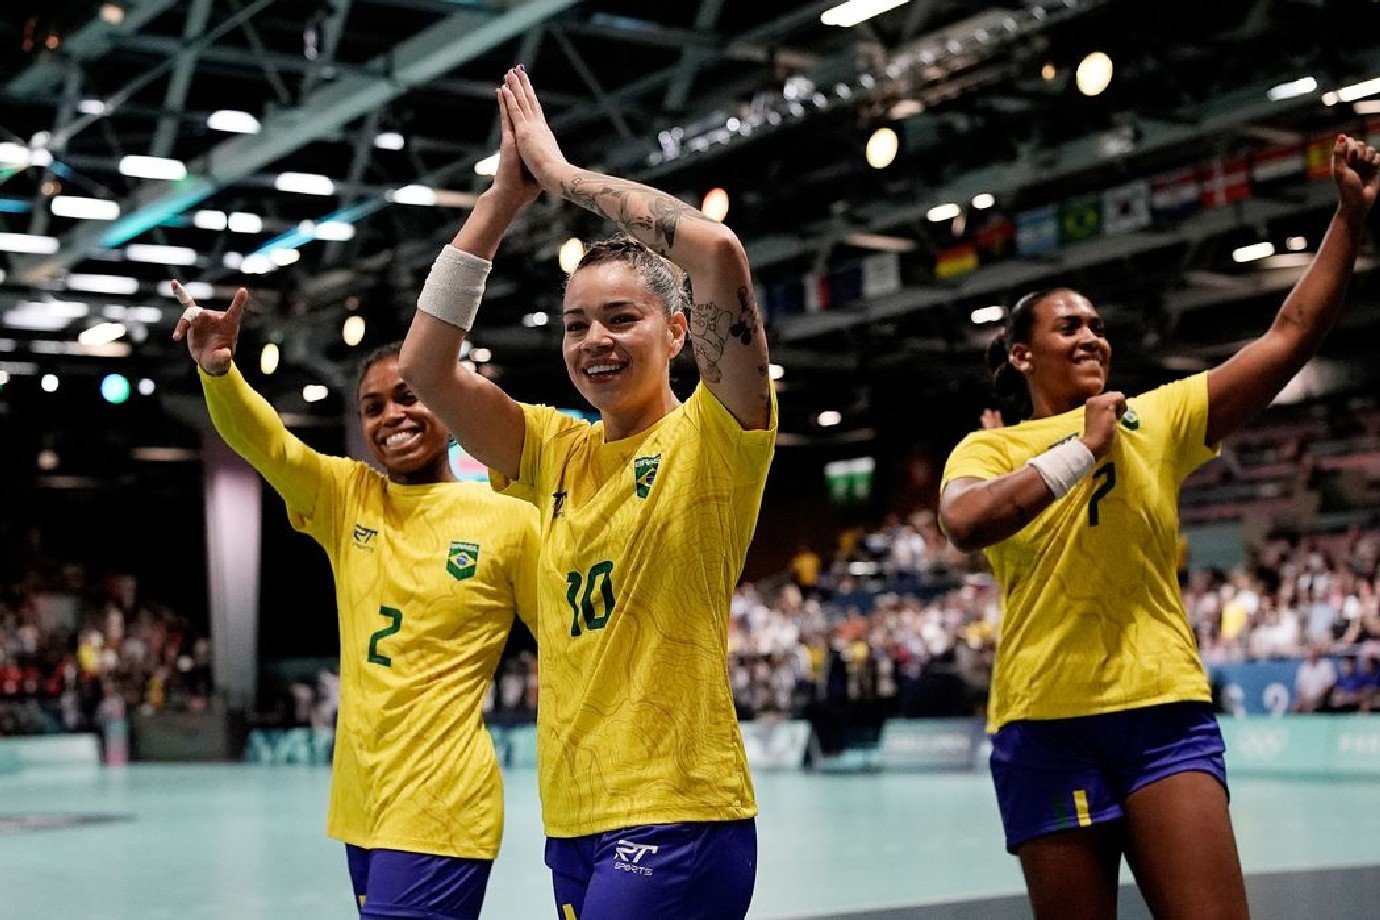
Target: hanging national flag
[[956, 260], [1320, 156], [994, 238], [816, 292], [1037, 231], [845, 285], [1126, 208], [786, 298], [1278, 163], [1080, 218], [881, 274], [1175, 194], [1224, 181]]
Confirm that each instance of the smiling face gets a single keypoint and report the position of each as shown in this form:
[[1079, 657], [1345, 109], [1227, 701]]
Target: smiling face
[[618, 341], [1067, 356], [403, 434]]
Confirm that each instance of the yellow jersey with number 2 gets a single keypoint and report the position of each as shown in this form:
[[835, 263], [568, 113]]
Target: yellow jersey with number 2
[[427, 579], [1093, 620], [642, 542]]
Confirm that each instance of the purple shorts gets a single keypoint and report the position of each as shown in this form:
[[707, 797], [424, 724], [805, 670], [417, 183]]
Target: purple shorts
[[1058, 774], [701, 871], [416, 886]]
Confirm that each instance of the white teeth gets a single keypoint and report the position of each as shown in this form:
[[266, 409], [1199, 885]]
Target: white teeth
[[399, 438], [602, 369]]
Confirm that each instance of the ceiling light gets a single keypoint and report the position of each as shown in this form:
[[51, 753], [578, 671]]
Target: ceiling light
[[849, 14], [284, 256], [209, 220], [776, 371], [115, 388], [4, 377], [101, 334], [103, 284], [1253, 252], [1299, 87], [987, 315], [481, 355], [12, 154], [353, 330], [715, 204], [146, 386], [829, 418], [49, 384], [160, 255], [1359, 90], [336, 230], [244, 222], [304, 183], [153, 168], [881, 148], [943, 212], [199, 290], [1296, 243], [233, 122], [570, 254], [85, 208], [389, 140], [984, 201], [1094, 74], [91, 107], [112, 13], [268, 358], [1049, 71], [232, 260], [314, 392], [256, 264], [28, 243], [487, 166], [539, 318], [413, 194]]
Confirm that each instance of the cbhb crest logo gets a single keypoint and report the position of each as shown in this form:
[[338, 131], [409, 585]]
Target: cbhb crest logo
[[364, 537], [644, 474], [1130, 421], [462, 559]]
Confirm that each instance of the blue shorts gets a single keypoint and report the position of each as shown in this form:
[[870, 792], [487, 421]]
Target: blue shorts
[[702, 871], [417, 886], [1058, 774]]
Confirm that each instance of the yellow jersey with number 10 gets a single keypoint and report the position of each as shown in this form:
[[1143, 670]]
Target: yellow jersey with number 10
[[1093, 620], [642, 542]]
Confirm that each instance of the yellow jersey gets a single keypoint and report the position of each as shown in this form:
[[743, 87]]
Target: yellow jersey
[[1093, 620], [642, 542], [427, 581]]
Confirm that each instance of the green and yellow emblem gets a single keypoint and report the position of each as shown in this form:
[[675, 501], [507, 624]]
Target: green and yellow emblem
[[1130, 420], [644, 474], [462, 559]]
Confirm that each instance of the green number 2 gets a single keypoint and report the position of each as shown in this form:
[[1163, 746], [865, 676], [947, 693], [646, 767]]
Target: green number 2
[[394, 614], [585, 607], [1107, 473]]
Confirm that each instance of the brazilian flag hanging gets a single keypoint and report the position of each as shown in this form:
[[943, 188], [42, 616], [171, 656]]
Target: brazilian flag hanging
[[1080, 219]]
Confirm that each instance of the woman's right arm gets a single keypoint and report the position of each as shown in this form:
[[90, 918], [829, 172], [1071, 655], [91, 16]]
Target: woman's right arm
[[976, 513], [487, 422]]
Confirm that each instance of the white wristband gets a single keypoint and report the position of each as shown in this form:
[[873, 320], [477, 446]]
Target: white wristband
[[1063, 465], [454, 287]]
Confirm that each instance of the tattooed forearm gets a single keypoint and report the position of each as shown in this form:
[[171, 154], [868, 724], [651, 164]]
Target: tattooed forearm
[[745, 329], [651, 216], [709, 332]]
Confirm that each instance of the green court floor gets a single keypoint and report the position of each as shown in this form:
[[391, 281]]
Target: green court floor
[[246, 842]]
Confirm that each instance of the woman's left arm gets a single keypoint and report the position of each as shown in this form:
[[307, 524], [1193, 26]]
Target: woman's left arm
[[1251, 379]]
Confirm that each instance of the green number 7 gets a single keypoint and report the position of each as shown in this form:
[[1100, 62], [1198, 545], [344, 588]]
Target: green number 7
[[394, 614]]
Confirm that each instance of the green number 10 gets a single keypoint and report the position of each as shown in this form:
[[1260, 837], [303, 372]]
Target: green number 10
[[395, 615], [601, 572]]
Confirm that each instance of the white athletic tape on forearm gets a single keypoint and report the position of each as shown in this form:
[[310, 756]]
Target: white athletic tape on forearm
[[454, 287], [1063, 465]]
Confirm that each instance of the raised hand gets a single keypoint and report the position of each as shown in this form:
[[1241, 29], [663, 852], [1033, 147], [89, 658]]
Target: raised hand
[[1100, 415], [210, 334], [513, 183], [1356, 170], [535, 142]]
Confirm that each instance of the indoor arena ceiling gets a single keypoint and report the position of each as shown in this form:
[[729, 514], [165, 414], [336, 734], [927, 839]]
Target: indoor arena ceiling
[[330, 147]]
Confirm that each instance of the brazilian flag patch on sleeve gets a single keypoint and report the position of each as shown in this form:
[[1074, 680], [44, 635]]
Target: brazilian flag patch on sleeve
[[644, 474]]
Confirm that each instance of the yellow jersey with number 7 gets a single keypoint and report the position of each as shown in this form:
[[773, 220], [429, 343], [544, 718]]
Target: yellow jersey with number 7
[[1093, 620], [642, 542], [427, 580]]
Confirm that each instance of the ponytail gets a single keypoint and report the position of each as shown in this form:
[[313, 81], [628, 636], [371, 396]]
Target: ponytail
[[1013, 395]]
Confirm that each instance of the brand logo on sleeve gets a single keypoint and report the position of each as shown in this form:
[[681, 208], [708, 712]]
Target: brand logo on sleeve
[[462, 559], [364, 537], [629, 856], [644, 474]]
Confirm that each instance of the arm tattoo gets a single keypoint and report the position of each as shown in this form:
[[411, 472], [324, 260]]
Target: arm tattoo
[[746, 326], [709, 332], [651, 216]]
